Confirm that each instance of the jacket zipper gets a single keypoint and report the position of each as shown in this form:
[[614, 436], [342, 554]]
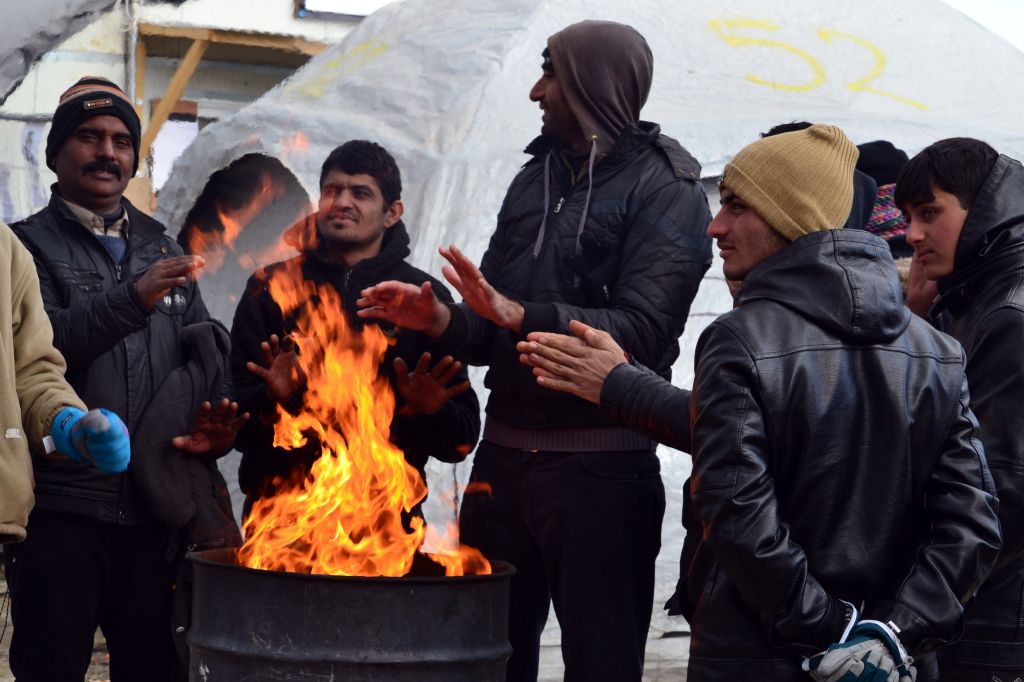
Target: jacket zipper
[[558, 206]]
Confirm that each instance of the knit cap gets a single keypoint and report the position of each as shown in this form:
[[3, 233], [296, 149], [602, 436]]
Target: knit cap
[[799, 182], [91, 96]]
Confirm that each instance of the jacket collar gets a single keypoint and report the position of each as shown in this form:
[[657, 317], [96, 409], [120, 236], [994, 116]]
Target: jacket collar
[[393, 249], [844, 281], [992, 239], [636, 136], [140, 225]]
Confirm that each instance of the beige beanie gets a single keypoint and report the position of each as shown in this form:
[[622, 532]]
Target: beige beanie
[[799, 182]]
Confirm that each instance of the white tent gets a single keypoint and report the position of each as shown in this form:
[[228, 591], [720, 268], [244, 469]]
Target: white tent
[[29, 32], [443, 85]]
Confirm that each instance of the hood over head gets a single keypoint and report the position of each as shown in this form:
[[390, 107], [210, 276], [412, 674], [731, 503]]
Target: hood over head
[[998, 206], [845, 281], [605, 70]]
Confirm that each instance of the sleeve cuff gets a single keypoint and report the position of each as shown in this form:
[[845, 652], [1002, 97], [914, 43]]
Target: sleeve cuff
[[539, 317], [615, 389], [457, 331]]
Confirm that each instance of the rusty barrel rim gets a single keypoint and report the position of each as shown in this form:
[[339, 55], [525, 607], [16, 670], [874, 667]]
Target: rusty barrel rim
[[227, 559]]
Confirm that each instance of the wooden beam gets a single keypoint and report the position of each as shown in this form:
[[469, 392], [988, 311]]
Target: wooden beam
[[175, 89], [293, 44]]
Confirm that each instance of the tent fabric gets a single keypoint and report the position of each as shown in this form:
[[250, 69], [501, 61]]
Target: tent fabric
[[37, 26], [443, 84]]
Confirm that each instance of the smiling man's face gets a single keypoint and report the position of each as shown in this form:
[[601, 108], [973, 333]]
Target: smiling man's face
[[557, 122], [95, 164]]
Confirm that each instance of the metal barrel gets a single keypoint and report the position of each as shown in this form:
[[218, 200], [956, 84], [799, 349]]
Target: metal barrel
[[255, 625]]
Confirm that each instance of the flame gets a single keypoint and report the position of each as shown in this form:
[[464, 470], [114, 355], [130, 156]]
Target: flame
[[294, 144], [214, 244], [346, 517]]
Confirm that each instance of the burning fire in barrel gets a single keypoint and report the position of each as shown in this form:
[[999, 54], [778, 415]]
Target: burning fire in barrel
[[330, 582]]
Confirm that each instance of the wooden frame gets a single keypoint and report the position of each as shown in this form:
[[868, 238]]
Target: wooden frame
[[200, 39]]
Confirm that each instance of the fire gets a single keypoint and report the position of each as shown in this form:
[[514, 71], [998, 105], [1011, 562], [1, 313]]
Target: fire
[[346, 517], [215, 243], [297, 143]]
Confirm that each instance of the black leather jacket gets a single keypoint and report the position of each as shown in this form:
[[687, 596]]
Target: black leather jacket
[[118, 353], [644, 252], [810, 484], [982, 306]]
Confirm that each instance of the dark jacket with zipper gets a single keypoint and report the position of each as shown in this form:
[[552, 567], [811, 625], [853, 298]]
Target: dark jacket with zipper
[[449, 435], [117, 352], [981, 304], [834, 457], [186, 491], [644, 250]]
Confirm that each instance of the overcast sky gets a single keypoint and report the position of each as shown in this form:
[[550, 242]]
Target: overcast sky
[[1003, 17]]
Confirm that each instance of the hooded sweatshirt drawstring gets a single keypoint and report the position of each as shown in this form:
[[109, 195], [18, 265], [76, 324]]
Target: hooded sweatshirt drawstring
[[547, 201], [586, 203], [547, 204]]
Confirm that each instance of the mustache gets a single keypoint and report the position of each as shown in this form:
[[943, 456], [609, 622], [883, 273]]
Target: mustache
[[102, 166]]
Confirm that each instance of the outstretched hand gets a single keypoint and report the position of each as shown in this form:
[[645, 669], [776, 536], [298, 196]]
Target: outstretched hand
[[423, 390], [214, 429], [477, 292], [407, 306], [577, 364], [281, 371]]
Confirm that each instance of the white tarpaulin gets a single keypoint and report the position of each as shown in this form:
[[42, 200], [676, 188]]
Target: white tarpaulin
[[443, 85], [30, 31]]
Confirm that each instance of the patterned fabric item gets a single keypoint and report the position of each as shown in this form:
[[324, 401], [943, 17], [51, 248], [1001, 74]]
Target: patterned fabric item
[[887, 220]]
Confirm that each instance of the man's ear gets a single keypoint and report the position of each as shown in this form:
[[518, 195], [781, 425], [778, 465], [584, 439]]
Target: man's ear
[[394, 213]]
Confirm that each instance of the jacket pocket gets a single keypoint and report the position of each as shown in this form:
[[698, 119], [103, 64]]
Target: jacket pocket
[[16, 496], [174, 302]]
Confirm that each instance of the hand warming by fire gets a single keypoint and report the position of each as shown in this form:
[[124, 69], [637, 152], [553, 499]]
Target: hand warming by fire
[[347, 516]]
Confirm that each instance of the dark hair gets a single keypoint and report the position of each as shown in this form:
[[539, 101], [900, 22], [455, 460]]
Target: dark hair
[[958, 165], [787, 128], [364, 157]]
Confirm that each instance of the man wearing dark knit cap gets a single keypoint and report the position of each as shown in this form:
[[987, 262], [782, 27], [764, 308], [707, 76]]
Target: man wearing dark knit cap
[[124, 308], [840, 510], [604, 223]]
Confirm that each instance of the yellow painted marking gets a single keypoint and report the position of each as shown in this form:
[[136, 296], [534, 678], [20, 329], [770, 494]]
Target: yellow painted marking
[[724, 28], [346, 63], [829, 35]]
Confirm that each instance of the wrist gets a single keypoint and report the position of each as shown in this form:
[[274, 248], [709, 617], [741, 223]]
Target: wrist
[[133, 291], [512, 315], [442, 318]]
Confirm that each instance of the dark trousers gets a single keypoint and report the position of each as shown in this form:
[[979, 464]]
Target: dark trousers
[[582, 530], [73, 573]]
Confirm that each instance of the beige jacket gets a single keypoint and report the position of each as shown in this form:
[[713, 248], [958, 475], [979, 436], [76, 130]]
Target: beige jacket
[[32, 382]]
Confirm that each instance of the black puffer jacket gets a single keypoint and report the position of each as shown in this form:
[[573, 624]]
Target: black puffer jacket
[[982, 302], [809, 483], [118, 353], [644, 252], [449, 435]]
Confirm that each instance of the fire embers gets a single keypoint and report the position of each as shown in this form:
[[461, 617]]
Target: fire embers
[[346, 518]]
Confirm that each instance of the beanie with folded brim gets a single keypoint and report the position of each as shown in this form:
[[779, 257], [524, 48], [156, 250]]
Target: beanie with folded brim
[[799, 182], [91, 96]]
